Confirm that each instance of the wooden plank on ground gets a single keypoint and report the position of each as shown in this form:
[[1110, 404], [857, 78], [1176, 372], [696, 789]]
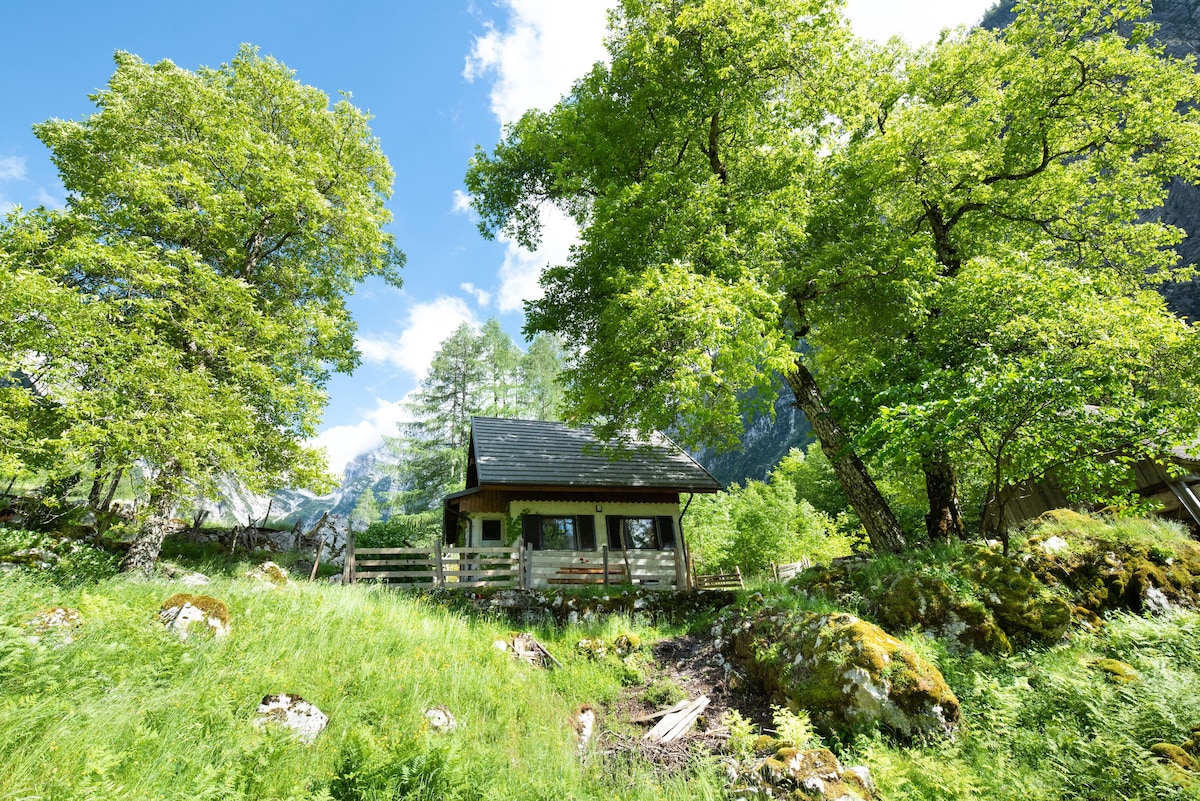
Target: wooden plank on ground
[[659, 713], [676, 723]]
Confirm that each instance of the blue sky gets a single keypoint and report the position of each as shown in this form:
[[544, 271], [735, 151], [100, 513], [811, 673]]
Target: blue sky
[[440, 77]]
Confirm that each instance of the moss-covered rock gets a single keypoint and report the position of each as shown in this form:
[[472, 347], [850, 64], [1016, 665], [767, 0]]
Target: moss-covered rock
[[930, 603], [1020, 602], [1116, 671], [802, 775], [1174, 755], [1126, 565], [184, 613], [626, 644], [592, 647], [269, 573], [848, 673], [58, 624]]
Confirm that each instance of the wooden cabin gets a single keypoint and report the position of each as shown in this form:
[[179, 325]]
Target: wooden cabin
[[582, 510], [1176, 490]]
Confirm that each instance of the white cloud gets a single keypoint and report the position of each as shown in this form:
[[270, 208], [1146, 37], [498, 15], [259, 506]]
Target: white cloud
[[462, 202], [427, 326], [917, 21], [482, 296], [12, 168], [547, 44], [48, 199], [545, 47], [521, 269], [343, 443]]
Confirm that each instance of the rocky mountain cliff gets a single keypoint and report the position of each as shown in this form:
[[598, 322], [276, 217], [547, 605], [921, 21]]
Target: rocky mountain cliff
[[765, 442], [1178, 32], [368, 471]]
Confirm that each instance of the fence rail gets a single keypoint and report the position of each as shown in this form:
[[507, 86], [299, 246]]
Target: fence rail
[[437, 566]]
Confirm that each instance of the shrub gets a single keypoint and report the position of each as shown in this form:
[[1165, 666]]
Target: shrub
[[419, 530]]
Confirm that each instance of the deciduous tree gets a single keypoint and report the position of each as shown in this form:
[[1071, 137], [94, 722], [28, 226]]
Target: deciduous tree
[[193, 290], [746, 176]]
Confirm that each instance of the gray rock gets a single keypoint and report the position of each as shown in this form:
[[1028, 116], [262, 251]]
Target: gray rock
[[292, 712]]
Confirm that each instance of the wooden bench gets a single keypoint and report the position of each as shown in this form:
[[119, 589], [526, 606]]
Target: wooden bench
[[721, 581], [588, 575]]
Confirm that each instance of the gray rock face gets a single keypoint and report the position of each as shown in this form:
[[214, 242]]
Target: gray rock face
[[765, 442]]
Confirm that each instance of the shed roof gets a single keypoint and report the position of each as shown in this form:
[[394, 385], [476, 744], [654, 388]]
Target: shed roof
[[538, 453]]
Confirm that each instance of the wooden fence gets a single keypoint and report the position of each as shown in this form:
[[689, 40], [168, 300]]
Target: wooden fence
[[509, 567], [438, 566]]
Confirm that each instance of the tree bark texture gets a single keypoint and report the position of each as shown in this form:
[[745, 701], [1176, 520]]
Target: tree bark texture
[[944, 519], [868, 503], [143, 553]]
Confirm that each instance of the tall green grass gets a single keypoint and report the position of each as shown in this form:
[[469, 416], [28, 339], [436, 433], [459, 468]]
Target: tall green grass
[[1047, 724], [127, 711]]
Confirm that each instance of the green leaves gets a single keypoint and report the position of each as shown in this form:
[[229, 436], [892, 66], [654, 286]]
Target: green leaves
[[188, 306]]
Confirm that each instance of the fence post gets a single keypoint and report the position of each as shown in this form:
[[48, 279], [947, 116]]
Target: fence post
[[440, 578], [604, 553], [348, 561], [527, 572]]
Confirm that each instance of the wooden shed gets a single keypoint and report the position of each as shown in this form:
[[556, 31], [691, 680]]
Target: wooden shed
[[582, 509], [1174, 486]]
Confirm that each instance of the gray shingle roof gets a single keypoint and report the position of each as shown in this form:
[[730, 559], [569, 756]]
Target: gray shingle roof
[[536, 453]]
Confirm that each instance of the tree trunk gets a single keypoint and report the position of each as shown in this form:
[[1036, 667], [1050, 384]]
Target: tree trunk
[[941, 486], [872, 509], [112, 489], [143, 553]]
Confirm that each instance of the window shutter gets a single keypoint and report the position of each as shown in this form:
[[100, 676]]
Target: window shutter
[[666, 533], [531, 530], [585, 527], [614, 531]]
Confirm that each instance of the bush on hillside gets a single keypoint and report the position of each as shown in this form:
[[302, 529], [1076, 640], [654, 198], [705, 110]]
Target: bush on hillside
[[419, 530]]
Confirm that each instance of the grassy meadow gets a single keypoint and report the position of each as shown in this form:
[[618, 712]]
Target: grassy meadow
[[126, 711]]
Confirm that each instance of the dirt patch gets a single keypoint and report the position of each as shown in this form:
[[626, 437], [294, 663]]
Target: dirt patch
[[692, 664]]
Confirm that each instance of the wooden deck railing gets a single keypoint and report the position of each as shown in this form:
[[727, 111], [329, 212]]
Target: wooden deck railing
[[509, 567], [438, 566]]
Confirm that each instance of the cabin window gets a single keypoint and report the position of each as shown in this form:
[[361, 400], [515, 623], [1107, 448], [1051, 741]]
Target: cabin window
[[492, 530], [641, 533], [559, 533]]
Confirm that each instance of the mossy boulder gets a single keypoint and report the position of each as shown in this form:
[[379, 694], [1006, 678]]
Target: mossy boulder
[[931, 604], [57, 624], [801, 775], [980, 600], [849, 674], [1018, 599], [269, 573], [1174, 755], [1123, 565], [184, 613], [1116, 671]]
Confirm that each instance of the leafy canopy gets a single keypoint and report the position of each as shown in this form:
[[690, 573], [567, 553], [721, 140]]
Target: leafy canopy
[[760, 194], [187, 307]]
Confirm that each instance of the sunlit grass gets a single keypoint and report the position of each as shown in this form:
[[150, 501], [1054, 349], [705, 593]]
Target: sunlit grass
[[126, 711]]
